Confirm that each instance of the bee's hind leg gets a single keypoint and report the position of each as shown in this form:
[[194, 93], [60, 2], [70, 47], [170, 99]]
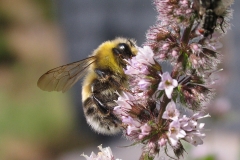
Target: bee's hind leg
[[103, 108], [101, 91], [97, 97]]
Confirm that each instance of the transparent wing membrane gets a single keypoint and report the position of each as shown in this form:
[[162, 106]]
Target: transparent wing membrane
[[64, 77]]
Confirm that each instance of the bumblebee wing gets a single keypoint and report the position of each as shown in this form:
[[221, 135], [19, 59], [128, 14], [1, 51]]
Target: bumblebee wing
[[64, 77]]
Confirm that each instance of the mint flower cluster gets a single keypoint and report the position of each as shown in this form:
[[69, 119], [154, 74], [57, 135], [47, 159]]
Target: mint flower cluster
[[160, 109]]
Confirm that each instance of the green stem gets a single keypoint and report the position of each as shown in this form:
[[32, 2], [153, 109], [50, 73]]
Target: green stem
[[186, 34], [142, 156], [145, 156]]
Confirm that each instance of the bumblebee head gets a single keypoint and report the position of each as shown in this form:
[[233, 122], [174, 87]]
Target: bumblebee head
[[124, 48], [123, 51]]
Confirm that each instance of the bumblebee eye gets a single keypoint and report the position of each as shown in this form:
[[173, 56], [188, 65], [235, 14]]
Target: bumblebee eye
[[123, 50], [122, 46]]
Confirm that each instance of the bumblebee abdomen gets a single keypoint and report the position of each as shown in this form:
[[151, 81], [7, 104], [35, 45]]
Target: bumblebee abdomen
[[99, 104], [104, 123]]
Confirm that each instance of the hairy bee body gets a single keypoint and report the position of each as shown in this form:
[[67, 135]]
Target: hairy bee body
[[103, 81], [211, 11], [209, 22]]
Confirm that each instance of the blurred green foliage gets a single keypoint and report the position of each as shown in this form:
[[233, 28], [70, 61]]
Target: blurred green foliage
[[6, 56], [209, 157], [30, 118], [37, 118], [30, 115]]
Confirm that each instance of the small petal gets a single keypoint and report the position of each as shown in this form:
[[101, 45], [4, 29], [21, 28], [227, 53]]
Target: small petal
[[162, 142], [175, 132], [105, 154], [145, 129], [171, 112], [145, 55], [167, 84], [168, 92]]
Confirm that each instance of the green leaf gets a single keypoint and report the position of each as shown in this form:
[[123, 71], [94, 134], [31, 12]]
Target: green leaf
[[146, 157], [160, 94], [185, 63]]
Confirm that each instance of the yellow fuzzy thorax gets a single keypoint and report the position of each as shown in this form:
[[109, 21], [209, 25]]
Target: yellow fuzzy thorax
[[106, 59]]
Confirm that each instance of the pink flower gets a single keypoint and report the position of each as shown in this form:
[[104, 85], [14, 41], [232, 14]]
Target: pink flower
[[143, 84], [124, 104], [167, 84], [194, 139], [145, 130], [139, 64], [105, 154], [132, 131], [171, 112], [193, 130], [162, 142], [200, 115], [151, 148], [196, 48], [133, 126], [135, 129], [145, 55], [135, 68], [175, 132], [187, 124], [171, 12], [191, 124], [130, 121]]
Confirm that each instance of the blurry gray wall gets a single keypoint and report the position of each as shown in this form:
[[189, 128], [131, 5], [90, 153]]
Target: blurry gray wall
[[233, 55]]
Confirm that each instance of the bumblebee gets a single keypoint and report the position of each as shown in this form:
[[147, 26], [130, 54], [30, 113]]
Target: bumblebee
[[104, 77], [210, 11]]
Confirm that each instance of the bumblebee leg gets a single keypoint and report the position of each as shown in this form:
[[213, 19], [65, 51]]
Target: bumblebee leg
[[103, 90], [98, 98], [103, 108], [103, 74], [221, 23]]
